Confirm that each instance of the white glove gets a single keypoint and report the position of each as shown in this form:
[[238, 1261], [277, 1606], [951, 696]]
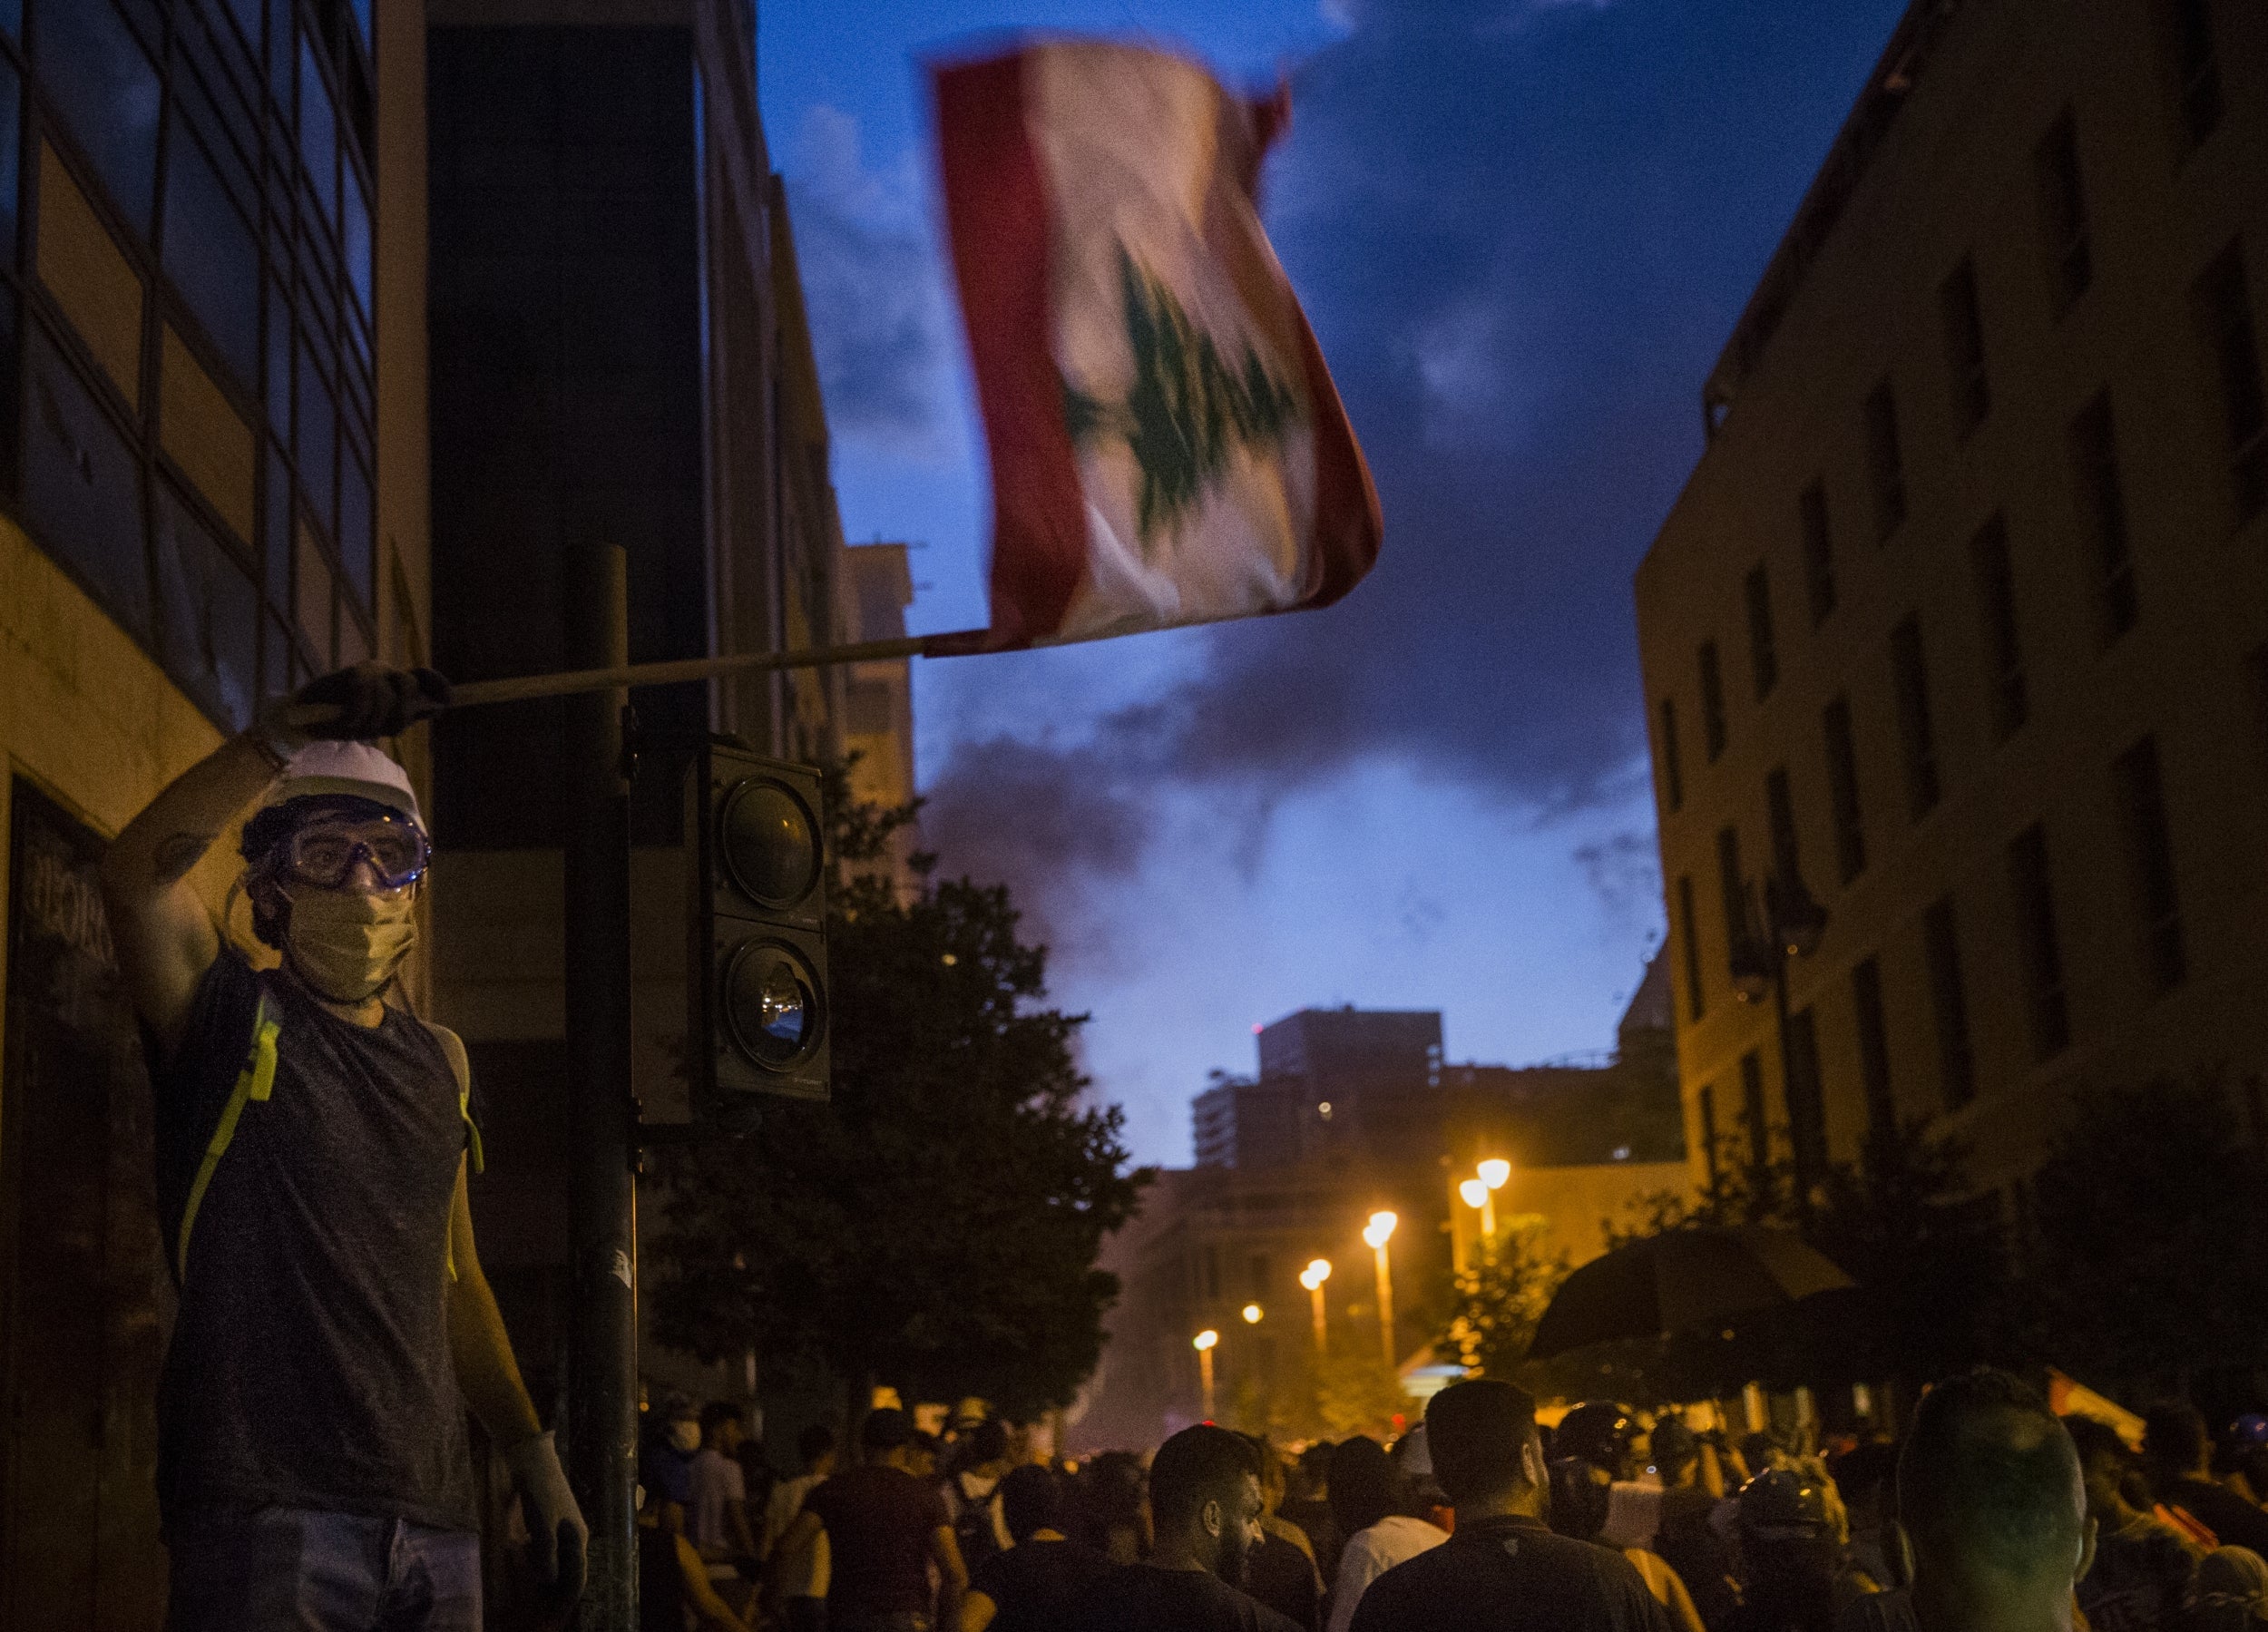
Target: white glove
[[555, 1521]]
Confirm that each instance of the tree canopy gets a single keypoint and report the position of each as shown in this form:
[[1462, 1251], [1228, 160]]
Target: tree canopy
[[935, 1225]]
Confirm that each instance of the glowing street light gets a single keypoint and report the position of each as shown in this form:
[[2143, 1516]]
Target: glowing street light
[[1375, 1237], [1252, 1313], [1203, 1343], [1475, 1193], [1317, 1272], [1495, 1172]]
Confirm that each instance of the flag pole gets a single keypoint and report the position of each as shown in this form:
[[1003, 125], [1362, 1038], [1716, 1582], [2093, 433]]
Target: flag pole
[[526, 687]]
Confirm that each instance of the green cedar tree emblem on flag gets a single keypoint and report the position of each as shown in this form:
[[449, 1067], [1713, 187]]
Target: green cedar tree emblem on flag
[[1188, 409]]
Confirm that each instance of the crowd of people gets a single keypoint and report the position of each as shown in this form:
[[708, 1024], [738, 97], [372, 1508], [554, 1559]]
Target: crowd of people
[[1991, 1512]]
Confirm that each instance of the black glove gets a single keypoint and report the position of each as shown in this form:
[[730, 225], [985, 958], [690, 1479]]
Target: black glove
[[368, 701]]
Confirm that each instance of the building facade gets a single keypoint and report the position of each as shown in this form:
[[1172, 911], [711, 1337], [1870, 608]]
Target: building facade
[[1962, 617], [212, 486]]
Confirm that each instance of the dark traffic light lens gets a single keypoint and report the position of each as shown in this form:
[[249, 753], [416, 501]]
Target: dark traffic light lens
[[770, 844], [771, 1001]]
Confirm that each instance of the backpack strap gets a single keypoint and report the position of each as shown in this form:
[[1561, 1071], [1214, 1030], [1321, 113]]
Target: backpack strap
[[453, 1050], [257, 1080]]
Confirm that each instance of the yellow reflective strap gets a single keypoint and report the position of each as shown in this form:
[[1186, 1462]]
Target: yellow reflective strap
[[257, 1080], [472, 1129]]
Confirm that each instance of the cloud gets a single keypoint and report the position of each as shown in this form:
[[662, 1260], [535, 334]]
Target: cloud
[[877, 300]]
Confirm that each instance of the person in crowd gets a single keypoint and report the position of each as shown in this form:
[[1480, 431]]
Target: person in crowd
[[1372, 1506], [674, 1592], [666, 1465], [1580, 1499], [758, 1480], [801, 1580], [1503, 1571], [1205, 1503], [1607, 1436], [2245, 1447], [1687, 1537], [1867, 1476], [717, 1505], [2230, 1592], [972, 1493], [312, 1140], [1031, 1585], [1793, 1576], [2144, 1567], [1992, 1500], [1281, 1572], [2177, 1457], [926, 1453], [1307, 1504], [1113, 1507], [1413, 1465], [884, 1529]]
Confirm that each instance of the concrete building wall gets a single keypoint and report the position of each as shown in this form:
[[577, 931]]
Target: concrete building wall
[[2138, 637]]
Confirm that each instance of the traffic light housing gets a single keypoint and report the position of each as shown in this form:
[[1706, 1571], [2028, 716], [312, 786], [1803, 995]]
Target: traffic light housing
[[758, 975]]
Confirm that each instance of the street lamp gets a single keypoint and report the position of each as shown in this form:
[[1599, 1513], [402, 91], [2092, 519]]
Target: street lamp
[[1792, 924], [1203, 1344], [1317, 1272], [1252, 1313], [1375, 1238]]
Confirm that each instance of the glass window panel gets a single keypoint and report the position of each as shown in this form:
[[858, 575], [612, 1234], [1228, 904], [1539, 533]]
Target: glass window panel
[[246, 13], [276, 544], [362, 20], [212, 623], [99, 77], [319, 135], [312, 601], [275, 657], [211, 255], [354, 646], [11, 18], [84, 268], [281, 58], [203, 434], [278, 386], [355, 537], [358, 236], [11, 153], [83, 485], [314, 446]]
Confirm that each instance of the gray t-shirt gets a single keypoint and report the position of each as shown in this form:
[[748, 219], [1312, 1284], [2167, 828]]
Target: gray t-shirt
[[309, 1366]]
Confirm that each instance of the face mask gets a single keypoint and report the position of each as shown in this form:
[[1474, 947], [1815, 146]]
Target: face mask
[[685, 1436], [347, 944]]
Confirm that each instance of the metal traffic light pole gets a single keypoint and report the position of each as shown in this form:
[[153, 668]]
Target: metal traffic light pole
[[603, 1217]]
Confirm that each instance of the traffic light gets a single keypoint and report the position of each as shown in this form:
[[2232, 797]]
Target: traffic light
[[757, 977]]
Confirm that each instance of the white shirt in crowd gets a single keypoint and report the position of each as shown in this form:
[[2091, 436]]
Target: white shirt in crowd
[[1371, 1553], [716, 1480]]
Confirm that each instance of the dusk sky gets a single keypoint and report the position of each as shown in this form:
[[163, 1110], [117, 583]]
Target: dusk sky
[[1522, 232]]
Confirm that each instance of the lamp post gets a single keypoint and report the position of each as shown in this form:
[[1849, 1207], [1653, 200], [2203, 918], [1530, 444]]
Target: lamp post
[[1204, 1343], [1317, 1272], [1380, 1232], [1479, 1194], [1792, 923]]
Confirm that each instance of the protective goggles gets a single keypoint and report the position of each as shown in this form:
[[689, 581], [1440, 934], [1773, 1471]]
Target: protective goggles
[[325, 854]]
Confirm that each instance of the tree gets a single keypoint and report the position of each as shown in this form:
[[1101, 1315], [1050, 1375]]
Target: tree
[[935, 1225], [1358, 1394], [1498, 1300]]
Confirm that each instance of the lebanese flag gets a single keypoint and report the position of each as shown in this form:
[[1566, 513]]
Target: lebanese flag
[[1167, 446]]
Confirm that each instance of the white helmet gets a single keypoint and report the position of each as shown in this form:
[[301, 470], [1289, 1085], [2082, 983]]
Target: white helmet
[[353, 768]]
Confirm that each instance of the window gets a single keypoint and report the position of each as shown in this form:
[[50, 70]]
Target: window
[[1885, 465], [2103, 516], [1673, 775], [1911, 684], [1690, 929], [1736, 893], [1806, 1100], [318, 135], [2185, 32], [313, 602], [83, 485], [100, 78], [1866, 1001], [2139, 790], [210, 637], [1707, 1107], [2225, 312], [1753, 1113], [1780, 810], [212, 257], [1764, 656], [1949, 1006], [1819, 553], [2063, 213], [1712, 703], [2036, 942], [1963, 324], [90, 278], [1842, 789], [1996, 607], [205, 436]]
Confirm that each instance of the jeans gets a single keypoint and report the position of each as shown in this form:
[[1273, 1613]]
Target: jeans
[[300, 1570]]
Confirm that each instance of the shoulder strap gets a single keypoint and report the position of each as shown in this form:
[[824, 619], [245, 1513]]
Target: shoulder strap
[[257, 1080], [461, 1065]]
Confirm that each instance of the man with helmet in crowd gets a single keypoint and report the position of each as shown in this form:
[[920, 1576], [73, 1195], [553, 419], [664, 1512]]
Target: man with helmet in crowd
[[1606, 1435], [312, 1142], [1791, 1530]]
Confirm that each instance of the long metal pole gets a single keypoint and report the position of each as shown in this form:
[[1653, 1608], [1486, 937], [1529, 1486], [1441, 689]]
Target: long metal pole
[[1323, 1329], [1205, 1380], [1385, 1307], [613, 674], [602, 1371]]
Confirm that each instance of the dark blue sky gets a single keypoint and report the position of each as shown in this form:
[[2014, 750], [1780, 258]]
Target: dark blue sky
[[1522, 232]]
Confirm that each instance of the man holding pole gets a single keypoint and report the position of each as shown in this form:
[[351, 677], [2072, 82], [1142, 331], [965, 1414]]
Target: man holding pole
[[313, 1138]]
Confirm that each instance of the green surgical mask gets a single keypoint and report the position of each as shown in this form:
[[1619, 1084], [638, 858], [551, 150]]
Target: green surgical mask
[[347, 944]]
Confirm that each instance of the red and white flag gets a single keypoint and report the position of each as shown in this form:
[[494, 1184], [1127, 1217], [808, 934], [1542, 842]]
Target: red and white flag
[[1167, 446]]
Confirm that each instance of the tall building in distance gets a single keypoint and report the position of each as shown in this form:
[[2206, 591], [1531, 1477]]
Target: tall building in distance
[[1963, 617], [877, 586], [212, 486]]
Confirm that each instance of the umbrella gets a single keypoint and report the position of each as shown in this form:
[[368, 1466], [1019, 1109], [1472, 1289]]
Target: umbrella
[[1680, 1280]]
